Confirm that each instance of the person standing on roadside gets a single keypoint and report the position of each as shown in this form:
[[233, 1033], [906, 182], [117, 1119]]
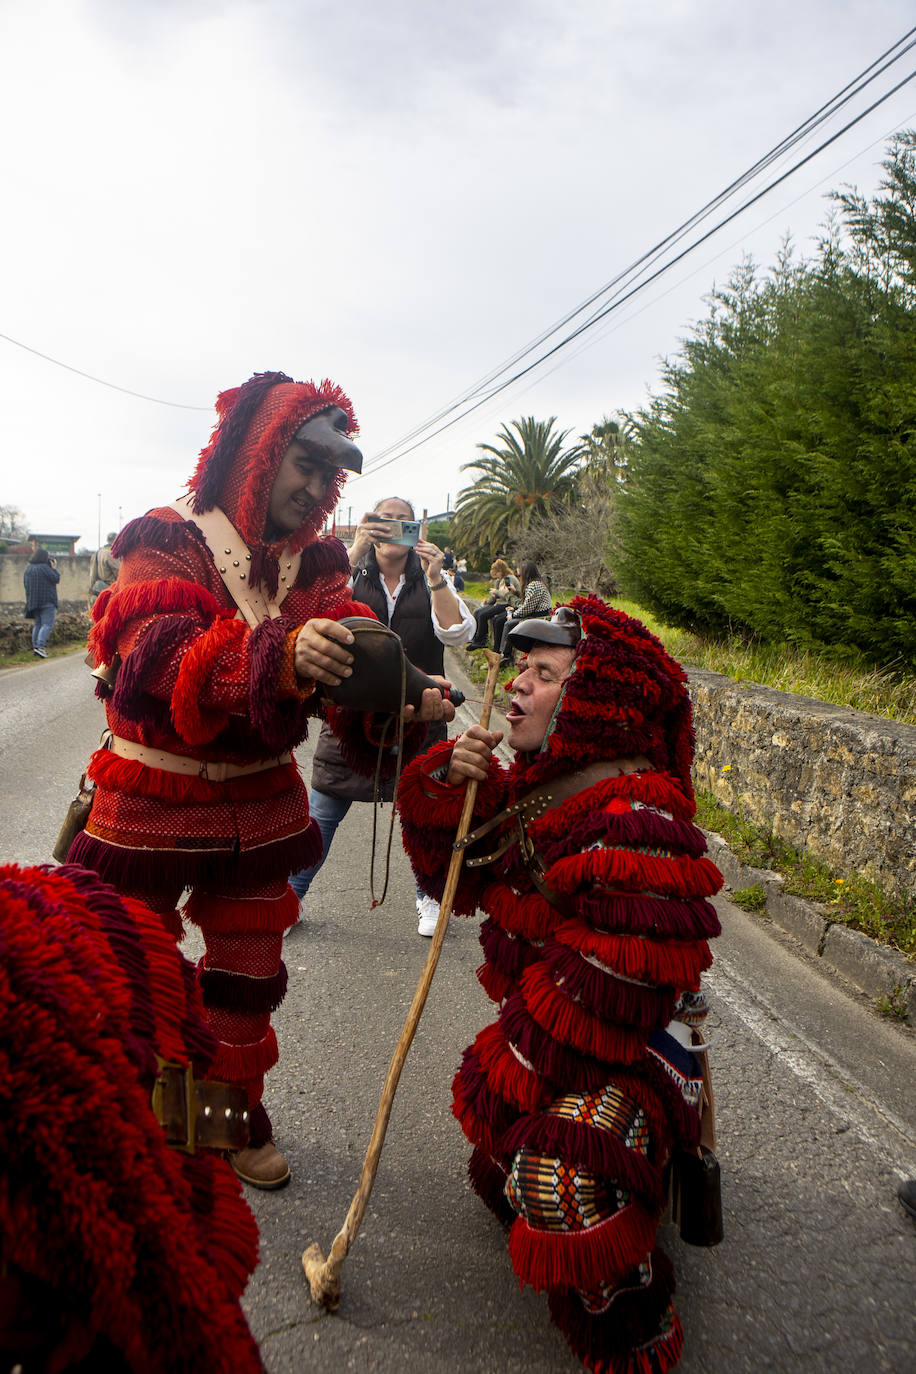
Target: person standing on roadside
[[41, 578], [406, 589], [211, 651], [103, 568]]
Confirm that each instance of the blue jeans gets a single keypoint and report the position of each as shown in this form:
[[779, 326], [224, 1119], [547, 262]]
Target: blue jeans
[[328, 812], [42, 625]]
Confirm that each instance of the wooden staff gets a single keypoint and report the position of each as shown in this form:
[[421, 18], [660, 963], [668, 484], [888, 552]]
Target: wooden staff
[[324, 1274]]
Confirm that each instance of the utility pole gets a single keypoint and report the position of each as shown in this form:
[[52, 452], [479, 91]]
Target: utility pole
[[99, 543]]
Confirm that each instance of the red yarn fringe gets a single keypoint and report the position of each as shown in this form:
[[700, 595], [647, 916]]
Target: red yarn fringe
[[157, 596], [236, 1063], [590, 1148], [573, 1025], [219, 915], [506, 1074], [108, 769], [488, 1179], [610, 998], [495, 984], [194, 722], [638, 914], [626, 1337], [676, 875], [154, 870], [603, 1252], [677, 963]]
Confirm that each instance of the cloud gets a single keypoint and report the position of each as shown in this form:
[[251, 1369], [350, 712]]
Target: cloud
[[397, 195]]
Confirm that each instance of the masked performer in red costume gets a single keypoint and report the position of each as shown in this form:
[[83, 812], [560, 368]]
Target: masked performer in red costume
[[576, 1097], [120, 1249], [220, 626]]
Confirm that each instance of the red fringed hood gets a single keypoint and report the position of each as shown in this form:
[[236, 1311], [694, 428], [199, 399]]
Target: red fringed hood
[[256, 424], [626, 696]]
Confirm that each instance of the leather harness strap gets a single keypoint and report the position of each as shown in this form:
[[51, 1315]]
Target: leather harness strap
[[232, 558], [532, 806], [199, 1114]]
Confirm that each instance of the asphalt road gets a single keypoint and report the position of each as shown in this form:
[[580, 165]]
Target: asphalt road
[[816, 1104]]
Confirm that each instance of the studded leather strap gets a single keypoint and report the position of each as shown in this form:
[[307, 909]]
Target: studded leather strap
[[232, 557]]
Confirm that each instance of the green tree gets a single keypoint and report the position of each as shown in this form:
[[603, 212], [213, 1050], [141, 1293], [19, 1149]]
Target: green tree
[[771, 486], [526, 473]]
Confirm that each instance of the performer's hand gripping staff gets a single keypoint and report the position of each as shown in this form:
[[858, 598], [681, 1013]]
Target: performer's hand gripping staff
[[324, 1274]]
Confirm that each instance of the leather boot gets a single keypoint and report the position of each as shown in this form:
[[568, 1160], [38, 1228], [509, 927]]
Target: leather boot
[[262, 1167]]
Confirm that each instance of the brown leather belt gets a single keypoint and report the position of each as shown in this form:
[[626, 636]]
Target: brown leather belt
[[180, 763], [199, 1114]]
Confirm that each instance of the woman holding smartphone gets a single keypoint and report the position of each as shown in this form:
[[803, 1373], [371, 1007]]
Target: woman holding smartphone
[[404, 585]]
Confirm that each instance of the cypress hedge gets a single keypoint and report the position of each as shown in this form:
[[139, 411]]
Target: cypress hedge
[[771, 486]]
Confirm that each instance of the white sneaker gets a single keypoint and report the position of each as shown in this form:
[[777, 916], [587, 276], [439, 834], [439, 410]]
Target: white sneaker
[[428, 912], [298, 921]]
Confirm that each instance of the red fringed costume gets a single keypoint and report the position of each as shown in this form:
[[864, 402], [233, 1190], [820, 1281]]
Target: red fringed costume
[[197, 682], [576, 1095], [117, 1252]]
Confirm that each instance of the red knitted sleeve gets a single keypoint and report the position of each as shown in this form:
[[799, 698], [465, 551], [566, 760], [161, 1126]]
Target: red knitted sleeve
[[430, 810], [174, 627]]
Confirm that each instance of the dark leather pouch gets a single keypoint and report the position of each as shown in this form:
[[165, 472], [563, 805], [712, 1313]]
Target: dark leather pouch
[[75, 820], [697, 1197]]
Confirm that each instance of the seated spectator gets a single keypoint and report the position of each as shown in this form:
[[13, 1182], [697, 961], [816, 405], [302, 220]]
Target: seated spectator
[[505, 591], [535, 604]]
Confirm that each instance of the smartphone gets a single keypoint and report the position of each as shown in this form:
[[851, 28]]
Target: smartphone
[[398, 531]]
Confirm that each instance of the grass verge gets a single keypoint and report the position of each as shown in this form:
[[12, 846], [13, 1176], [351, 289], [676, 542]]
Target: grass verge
[[887, 692], [847, 899], [22, 656]]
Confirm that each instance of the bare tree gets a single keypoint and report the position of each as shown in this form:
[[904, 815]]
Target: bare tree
[[573, 544], [12, 523]]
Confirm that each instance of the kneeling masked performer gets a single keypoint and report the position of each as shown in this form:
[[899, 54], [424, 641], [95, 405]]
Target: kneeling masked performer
[[588, 1082], [221, 627]]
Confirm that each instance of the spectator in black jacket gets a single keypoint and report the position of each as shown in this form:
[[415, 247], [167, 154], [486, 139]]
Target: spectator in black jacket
[[406, 589], [41, 578]]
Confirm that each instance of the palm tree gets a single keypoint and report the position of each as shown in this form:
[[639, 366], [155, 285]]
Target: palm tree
[[606, 446], [528, 474]]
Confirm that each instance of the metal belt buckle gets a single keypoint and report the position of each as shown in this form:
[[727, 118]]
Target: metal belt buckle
[[168, 1094]]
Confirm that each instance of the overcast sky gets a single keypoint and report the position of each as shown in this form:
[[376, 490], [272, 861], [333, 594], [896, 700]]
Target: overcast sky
[[397, 194]]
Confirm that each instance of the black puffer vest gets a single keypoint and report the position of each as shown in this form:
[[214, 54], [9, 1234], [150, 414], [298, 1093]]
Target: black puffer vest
[[412, 620]]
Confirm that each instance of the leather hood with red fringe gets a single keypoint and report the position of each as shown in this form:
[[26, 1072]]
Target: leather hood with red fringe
[[116, 1251], [625, 696], [257, 422]]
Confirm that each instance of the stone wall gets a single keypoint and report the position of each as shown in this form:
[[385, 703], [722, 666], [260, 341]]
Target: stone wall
[[70, 627], [71, 590], [840, 784]]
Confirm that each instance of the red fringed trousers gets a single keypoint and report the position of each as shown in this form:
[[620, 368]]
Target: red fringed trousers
[[242, 975]]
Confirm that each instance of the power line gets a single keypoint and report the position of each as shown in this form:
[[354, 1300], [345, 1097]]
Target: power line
[[476, 395], [140, 396]]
